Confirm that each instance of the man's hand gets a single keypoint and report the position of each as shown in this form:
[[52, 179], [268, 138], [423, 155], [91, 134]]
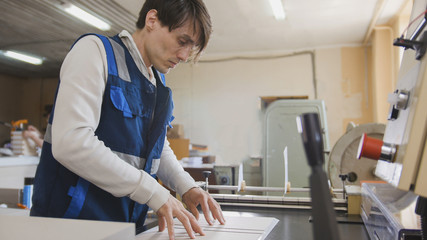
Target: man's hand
[[196, 196], [174, 208]]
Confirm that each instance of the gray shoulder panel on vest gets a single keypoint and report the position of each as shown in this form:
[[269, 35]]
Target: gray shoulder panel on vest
[[119, 54]]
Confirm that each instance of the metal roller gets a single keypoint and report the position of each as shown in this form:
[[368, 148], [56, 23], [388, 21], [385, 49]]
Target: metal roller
[[343, 157]]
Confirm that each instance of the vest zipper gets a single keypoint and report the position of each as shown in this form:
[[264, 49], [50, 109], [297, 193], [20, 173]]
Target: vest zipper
[[154, 108]]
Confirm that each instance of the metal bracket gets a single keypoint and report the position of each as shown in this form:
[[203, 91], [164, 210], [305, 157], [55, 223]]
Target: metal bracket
[[418, 46]]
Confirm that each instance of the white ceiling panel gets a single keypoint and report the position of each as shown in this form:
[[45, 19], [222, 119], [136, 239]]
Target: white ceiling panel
[[40, 28]]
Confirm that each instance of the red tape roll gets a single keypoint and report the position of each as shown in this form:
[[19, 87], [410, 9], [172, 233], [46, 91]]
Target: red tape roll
[[369, 147]]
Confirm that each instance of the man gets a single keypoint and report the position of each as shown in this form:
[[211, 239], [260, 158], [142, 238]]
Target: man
[[106, 141]]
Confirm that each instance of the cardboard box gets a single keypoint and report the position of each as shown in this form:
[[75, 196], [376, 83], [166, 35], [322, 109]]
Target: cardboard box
[[208, 159], [177, 131], [354, 199], [180, 146]]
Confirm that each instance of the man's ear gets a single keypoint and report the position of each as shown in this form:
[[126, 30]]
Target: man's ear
[[151, 19]]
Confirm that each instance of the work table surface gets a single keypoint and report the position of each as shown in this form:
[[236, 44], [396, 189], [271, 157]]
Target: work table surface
[[294, 224]]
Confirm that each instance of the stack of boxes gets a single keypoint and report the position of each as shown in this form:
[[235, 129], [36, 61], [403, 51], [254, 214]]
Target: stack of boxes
[[183, 149], [179, 144], [201, 151], [21, 145]]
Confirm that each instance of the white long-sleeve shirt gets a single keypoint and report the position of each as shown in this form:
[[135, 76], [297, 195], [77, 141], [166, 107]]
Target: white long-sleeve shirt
[[77, 113]]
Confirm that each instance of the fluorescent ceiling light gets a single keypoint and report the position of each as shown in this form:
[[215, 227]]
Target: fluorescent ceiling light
[[23, 57], [85, 16], [278, 11]]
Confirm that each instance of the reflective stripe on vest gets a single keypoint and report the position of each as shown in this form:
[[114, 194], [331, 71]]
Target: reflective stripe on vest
[[135, 161]]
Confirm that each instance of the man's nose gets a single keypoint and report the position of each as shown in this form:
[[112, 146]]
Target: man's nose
[[184, 54]]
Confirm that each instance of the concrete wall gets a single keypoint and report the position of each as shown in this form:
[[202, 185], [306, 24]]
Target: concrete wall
[[218, 102]]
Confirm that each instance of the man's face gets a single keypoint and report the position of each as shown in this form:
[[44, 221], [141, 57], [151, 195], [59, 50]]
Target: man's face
[[168, 48]]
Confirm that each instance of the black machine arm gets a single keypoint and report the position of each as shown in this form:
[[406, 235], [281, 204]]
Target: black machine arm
[[324, 220]]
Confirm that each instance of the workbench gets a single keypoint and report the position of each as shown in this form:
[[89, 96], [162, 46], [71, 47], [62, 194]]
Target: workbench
[[14, 169], [294, 224], [16, 224]]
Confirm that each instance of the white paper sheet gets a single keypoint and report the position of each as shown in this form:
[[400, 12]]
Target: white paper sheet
[[285, 159], [239, 182]]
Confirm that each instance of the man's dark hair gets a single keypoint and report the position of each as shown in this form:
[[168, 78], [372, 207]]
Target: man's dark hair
[[175, 13]]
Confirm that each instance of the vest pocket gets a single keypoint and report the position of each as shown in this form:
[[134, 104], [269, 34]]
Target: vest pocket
[[78, 196], [119, 101], [127, 99]]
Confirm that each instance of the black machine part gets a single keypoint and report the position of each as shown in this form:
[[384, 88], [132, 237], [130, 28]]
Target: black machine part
[[325, 225], [412, 43], [421, 209]]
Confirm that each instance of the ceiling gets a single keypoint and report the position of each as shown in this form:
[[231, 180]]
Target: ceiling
[[241, 27]]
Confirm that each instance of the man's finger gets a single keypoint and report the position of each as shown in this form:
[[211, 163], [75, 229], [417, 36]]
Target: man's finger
[[205, 209], [183, 218], [217, 212], [162, 223], [169, 221], [195, 224], [194, 210]]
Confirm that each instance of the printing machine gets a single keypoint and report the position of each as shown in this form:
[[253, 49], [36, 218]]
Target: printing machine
[[401, 153]]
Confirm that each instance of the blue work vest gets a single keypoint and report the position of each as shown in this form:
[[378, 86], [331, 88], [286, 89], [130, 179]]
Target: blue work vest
[[133, 122]]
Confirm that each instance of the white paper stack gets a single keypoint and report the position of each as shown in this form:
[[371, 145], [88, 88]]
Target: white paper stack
[[22, 146], [236, 228]]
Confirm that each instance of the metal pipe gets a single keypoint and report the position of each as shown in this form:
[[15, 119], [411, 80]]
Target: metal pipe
[[261, 189], [273, 201], [378, 10]]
